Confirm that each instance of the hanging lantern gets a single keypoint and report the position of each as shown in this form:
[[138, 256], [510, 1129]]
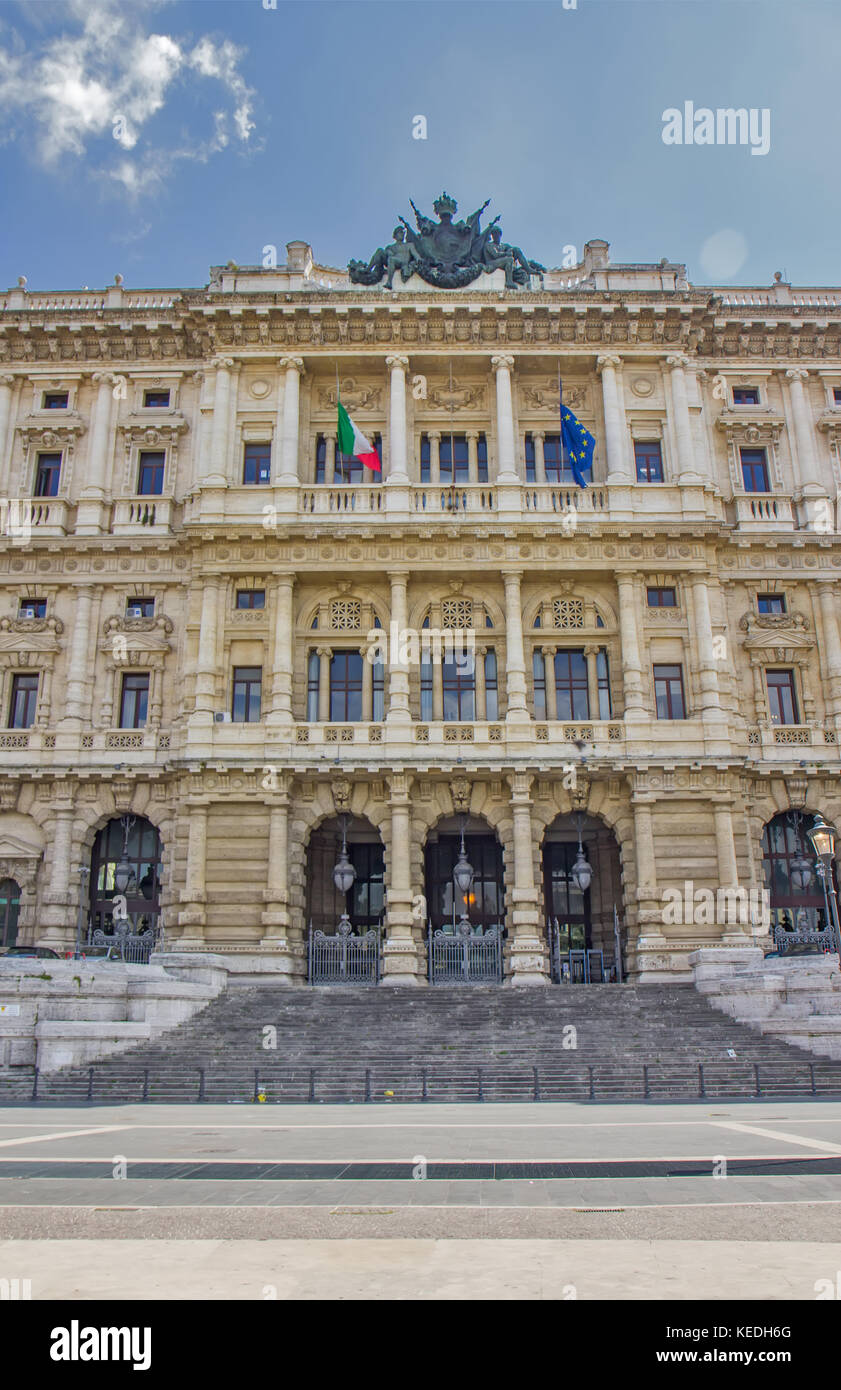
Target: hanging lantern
[[463, 875], [344, 873], [802, 873], [582, 873], [123, 871]]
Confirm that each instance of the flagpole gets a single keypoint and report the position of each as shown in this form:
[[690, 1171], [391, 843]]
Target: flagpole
[[339, 454], [561, 417]]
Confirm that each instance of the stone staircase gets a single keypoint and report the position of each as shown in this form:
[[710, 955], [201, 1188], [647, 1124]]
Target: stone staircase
[[796, 999], [453, 1043]]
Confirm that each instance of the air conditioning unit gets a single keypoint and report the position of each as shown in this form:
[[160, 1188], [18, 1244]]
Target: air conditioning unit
[[27, 612], [134, 612], [222, 717]]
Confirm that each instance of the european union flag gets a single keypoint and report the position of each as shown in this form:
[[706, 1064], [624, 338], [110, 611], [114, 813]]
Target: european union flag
[[578, 443]]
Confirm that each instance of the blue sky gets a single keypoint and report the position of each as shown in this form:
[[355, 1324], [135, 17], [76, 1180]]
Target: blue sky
[[244, 126]]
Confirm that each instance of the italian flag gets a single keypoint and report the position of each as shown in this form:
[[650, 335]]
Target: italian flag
[[353, 444]]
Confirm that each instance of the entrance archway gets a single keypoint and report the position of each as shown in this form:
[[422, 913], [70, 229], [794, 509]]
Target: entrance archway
[[364, 902], [584, 926], [797, 905], [484, 904], [136, 839], [9, 911]]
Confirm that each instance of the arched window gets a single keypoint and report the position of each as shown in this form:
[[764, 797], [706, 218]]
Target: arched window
[[136, 840], [797, 900], [9, 910]]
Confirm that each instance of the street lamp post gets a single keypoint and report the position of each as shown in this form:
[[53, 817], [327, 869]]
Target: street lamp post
[[822, 839]]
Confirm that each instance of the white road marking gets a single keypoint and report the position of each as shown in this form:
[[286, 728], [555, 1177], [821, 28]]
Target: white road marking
[[834, 1149], [63, 1134]]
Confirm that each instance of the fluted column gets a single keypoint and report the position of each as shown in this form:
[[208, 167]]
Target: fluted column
[[325, 655], [401, 957], [681, 423], [618, 463], [398, 671], [80, 666], [804, 434], [292, 367], [515, 661], [526, 955], [7, 382], [206, 658], [631, 662], [398, 458], [506, 442], [284, 621], [217, 471]]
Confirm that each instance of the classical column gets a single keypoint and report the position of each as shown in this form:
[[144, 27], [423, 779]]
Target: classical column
[[44, 696], [526, 955], [398, 459], [515, 660], [804, 433], [644, 836], [687, 472], [398, 670], [434, 437], [205, 693], [591, 655], [285, 941], [293, 368], [193, 895], [329, 459], [631, 663], [759, 700], [6, 384], [728, 870], [61, 839], [284, 621], [91, 517], [548, 654], [472, 456], [367, 689], [217, 473], [401, 964], [708, 667], [479, 682], [615, 426], [538, 438], [831, 646], [155, 687], [506, 442], [80, 666], [325, 655]]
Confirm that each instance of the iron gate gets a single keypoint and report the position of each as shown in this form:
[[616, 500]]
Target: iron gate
[[343, 959], [585, 965], [466, 957]]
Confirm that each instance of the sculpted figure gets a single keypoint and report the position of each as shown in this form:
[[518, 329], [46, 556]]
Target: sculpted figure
[[398, 255]]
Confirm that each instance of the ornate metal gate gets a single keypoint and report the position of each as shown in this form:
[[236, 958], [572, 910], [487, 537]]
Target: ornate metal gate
[[343, 959], [465, 957]]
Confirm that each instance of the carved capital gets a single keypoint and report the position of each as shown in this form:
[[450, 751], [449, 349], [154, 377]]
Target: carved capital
[[221, 364], [502, 360], [608, 360], [797, 374], [678, 361], [397, 363], [291, 364], [6, 379]]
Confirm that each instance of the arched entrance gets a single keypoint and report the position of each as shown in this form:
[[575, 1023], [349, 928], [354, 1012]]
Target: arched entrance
[[130, 847], [796, 899], [345, 902], [465, 900], [583, 905], [9, 911]]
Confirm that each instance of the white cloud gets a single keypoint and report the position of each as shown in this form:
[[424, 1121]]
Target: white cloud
[[109, 78]]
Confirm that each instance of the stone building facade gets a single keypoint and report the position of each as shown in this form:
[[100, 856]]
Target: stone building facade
[[190, 580]]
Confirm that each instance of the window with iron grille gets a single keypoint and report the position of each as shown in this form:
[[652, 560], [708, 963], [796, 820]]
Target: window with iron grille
[[23, 702], [457, 613], [668, 692], [150, 475], [134, 700], [346, 614], [782, 697], [568, 612], [247, 692]]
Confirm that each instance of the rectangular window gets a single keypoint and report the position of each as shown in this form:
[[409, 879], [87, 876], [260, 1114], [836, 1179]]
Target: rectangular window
[[649, 460], [134, 700], [556, 464], [603, 680], [257, 463], [571, 686], [459, 682], [454, 458], [491, 686], [140, 607], [47, 475], [245, 706], [150, 475], [745, 395], [251, 598], [313, 672], [782, 699], [754, 470], [348, 469], [662, 598], [346, 686], [378, 691], [538, 667], [668, 692], [836, 394], [156, 400], [424, 458], [32, 608], [23, 702], [770, 603], [56, 400], [321, 458]]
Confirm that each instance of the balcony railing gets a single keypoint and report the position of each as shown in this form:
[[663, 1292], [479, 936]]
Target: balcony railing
[[136, 515]]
